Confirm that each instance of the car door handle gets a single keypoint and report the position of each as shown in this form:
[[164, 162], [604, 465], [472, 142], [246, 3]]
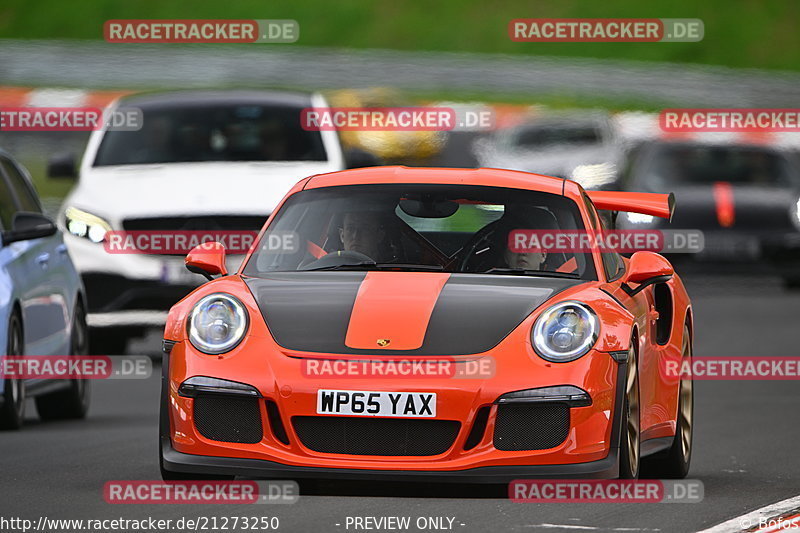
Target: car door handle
[[43, 259], [62, 249]]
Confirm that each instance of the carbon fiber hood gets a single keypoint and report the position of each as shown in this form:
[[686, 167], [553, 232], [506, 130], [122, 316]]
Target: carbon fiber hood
[[311, 311]]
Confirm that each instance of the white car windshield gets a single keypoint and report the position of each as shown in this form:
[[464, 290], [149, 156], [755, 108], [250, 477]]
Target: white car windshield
[[212, 132]]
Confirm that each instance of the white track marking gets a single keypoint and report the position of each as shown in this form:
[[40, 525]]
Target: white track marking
[[589, 528], [782, 525], [753, 518]]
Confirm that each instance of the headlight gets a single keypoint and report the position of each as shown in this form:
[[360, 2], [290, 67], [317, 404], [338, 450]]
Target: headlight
[[217, 323], [83, 224], [565, 332]]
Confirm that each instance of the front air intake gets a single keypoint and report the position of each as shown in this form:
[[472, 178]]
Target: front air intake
[[530, 426], [376, 436], [228, 418]]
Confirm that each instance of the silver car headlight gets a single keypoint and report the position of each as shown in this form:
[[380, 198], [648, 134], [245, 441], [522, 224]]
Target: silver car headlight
[[217, 323], [565, 332], [83, 224]]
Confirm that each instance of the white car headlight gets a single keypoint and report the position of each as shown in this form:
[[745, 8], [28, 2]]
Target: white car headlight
[[638, 218], [565, 332], [217, 323], [796, 214], [83, 224]]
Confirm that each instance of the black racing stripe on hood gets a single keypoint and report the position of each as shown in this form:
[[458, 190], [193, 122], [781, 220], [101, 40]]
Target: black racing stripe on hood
[[307, 311], [474, 313], [310, 311]]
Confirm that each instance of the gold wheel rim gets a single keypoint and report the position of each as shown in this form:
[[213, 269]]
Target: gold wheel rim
[[686, 399], [632, 403]]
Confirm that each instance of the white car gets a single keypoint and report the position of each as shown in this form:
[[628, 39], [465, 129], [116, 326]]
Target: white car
[[185, 169], [581, 146]]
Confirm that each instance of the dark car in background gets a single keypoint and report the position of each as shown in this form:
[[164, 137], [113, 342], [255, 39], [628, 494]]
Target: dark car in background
[[745, 197]]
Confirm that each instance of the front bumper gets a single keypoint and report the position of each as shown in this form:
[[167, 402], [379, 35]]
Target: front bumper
[[175, 461], [589, 451]]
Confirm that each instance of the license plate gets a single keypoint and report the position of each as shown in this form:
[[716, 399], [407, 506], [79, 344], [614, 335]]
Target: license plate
[[372, 403], [730, 247], [174, 272]]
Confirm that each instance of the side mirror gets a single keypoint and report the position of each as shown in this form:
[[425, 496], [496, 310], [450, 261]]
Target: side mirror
[[357, 158], [207, 259], [27, 226], [647, 268], [62, 166]]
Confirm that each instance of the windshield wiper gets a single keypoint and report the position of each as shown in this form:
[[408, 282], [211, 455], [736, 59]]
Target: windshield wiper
[[530, 272], [371, 265], [409, 266]]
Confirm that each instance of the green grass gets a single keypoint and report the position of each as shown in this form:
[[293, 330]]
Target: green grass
[[46, 187], [738, 33]]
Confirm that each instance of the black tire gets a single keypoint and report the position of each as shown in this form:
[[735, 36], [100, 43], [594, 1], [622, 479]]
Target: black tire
[[12, 413], [108, 341], [674, 462], [792, 282], [73, 402], [630, 437]]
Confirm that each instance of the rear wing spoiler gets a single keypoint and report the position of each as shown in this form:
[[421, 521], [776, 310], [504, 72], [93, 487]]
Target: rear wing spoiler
[[646, 203]]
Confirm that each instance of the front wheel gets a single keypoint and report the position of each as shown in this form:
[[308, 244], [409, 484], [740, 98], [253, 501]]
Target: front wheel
[[674, 463], [12, 414], [630, 445]]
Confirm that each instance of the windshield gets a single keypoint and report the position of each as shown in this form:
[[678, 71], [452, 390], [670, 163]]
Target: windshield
[[449, 228], [213, 132], [548, 136], [704, 165]]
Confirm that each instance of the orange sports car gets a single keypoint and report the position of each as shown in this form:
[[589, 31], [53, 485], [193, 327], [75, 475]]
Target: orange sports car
[[384, 325]]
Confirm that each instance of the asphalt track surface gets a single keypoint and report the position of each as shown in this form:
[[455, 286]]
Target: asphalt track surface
[[745, 450], [745, 447]]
